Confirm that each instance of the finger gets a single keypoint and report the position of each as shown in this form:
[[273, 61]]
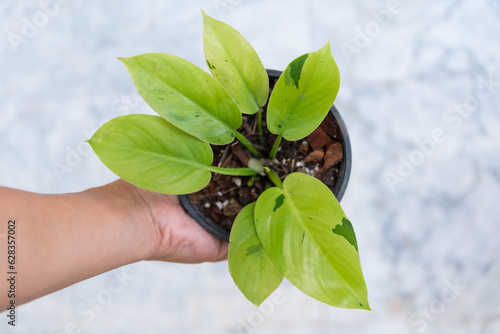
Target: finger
[[223, 251]]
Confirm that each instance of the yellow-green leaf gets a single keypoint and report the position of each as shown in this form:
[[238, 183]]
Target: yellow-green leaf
[[307, 236], [251, 269], [151, 153], [234, 62], [303, 95], [186, 96]]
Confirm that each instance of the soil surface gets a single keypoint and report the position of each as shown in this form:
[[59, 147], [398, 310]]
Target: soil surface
[[318, 155]]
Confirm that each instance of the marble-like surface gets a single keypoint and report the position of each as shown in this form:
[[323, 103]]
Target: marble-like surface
[[420, 95]]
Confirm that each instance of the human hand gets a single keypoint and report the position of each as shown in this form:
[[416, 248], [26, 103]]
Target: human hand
[[175, 235], [71, 237]]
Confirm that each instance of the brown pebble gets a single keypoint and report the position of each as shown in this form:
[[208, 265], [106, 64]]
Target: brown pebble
[[212, 190], [315, 156], [303, 149], [330, 127], [232, 208], [333, 155], [318, 139], [215, 214]]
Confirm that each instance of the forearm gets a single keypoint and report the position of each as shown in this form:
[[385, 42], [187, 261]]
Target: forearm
[[64, 239]]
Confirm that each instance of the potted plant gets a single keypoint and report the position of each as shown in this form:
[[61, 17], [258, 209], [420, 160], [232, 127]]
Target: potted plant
[[296, 228]]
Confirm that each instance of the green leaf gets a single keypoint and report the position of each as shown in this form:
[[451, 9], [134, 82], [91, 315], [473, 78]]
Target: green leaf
[[307, 236], [153, 154], [303, 95], [233, 61], [186, 96], [251, 269]]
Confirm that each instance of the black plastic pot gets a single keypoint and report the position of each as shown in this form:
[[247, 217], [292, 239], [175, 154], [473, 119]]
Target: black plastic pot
[[338, 189]]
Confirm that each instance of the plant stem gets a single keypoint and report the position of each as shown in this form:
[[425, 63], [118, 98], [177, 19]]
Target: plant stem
[[232, 171], [248, 144], [259, 127], [276, 144], [271, 174]]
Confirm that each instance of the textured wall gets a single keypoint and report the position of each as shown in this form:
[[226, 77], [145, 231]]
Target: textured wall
[[420, 95]]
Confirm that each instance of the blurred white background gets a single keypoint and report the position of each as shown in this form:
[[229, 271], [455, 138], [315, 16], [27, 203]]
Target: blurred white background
[[420, 94]]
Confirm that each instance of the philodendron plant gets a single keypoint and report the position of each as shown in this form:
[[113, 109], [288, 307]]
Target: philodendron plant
[[296, 229]]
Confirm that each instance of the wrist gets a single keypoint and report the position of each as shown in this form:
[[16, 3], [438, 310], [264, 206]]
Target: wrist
[[127, 207]]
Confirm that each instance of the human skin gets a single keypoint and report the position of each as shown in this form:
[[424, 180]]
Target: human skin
[[66, 238]]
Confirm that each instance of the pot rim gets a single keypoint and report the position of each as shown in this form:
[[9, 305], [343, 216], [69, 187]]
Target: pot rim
[[338, 190]]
